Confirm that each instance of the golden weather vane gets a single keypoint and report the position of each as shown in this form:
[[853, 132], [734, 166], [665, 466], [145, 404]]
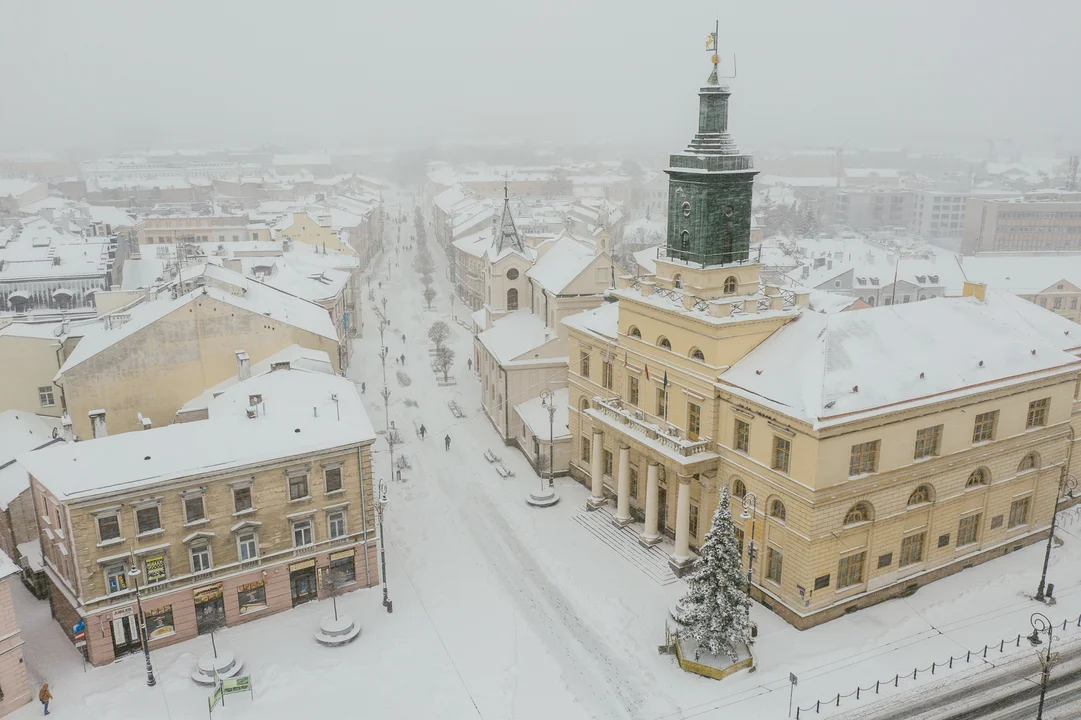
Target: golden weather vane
[[711, 46]]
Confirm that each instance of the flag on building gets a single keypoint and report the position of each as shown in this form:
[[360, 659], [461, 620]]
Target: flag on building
[[711, 42], [665, 384], [647, 374]]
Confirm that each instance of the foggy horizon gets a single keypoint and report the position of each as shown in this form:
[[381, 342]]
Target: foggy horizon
[[924, 76]]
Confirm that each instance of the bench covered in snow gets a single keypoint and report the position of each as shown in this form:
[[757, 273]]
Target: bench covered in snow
[[503, 472], [491, 456]]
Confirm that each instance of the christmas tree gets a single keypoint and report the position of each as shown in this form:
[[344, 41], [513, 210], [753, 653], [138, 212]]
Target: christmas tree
[[717, 614]]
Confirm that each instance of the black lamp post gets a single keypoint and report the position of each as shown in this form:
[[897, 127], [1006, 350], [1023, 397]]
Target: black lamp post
[[134, 574], [1066, 485], [380, 506], [750, 510], [1040, 624]]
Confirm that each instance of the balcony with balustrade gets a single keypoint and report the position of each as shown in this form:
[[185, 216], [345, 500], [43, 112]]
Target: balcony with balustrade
[[654, 434]]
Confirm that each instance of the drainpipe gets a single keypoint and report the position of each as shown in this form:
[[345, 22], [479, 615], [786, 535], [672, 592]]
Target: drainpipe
[[364, 517], [506, 404]]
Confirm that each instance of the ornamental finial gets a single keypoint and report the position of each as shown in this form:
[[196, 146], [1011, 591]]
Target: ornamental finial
[[711, 46]]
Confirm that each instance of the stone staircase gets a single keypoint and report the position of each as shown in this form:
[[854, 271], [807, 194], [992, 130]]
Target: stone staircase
[[653, 561]]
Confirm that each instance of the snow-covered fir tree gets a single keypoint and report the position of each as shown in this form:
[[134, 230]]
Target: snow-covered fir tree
[[717, 614]]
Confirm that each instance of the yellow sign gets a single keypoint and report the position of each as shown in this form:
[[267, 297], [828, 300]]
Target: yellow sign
[[155, 569], [302, 565], [208, 593], [343, 554]]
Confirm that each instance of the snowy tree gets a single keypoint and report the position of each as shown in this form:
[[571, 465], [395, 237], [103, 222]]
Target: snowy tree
[[444, 358], [429, 295], [718, 608], [424, 265], [438, 333]]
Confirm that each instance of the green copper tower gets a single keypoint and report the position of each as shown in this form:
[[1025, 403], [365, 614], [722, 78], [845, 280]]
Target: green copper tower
[[709, 186]]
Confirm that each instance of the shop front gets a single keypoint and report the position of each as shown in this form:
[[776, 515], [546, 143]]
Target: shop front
[[209, 608], [302, 587], [124, 625]]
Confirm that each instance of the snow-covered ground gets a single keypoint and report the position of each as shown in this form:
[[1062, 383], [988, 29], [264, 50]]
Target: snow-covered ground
[[502, 610]]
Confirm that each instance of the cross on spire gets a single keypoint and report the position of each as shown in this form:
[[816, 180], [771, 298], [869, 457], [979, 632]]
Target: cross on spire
[[508, 233]]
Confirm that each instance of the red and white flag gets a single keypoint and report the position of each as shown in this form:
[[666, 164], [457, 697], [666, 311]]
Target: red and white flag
[[647, 374]]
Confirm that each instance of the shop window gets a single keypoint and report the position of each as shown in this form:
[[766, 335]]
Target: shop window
[[251, 596], [343, 571]]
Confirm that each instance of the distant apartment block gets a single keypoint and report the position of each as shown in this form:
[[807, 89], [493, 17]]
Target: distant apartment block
[[1021, 225]]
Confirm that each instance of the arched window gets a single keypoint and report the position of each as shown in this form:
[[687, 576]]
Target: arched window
[[739, 490], [920, 495], [871, 301], [1029, 462], [684, 241], [860, 512], [730, 285], [634, 332], [512, 299], [776, 509], [698, 355], [512, 274], [979, 476], [663, 342], [923, 297], [677, 281], [584, 404]]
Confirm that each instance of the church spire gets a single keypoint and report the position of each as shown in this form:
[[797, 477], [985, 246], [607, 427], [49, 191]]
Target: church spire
[[507, 236]]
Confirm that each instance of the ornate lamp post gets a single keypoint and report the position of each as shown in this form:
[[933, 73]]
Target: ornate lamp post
[[750, 510], [1040, 624], [380, 506], [383, 357], [1066, 485], [546, 496], [134, 574]]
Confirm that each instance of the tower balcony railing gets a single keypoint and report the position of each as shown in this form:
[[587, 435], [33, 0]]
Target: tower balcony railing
[[671, 438], [749, 256]]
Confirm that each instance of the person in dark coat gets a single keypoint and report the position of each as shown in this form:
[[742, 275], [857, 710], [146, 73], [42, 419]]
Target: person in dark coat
[[446, 441]]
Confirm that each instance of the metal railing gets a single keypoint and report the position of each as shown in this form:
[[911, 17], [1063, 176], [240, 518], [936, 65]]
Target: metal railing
[[748, 256], [614, 409]]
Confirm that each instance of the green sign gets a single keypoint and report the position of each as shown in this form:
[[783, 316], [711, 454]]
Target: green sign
[[215, 698], [237, 684]]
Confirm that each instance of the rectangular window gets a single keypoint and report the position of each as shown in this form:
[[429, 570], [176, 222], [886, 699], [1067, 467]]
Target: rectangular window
[[242, 499], [45, 396], [583, 364], [200, 558], [912, 549], [984, 429], [336, 525], [968, 530], [850, 570], [694, 420], [693, 525], [739, 540], [1037, 413], [607, 374], [116, 578], [743, 435], [333, 479], [247, 548], [585, 449], [927, 440], [776, 560], [782, 453], [298, 487], [148, 519], [302, 533], [608, 463], [193, 509], [822, 582], [634, 483], [864, 458], [1019, 512], [662, 403], [632, 390], [109, 527]]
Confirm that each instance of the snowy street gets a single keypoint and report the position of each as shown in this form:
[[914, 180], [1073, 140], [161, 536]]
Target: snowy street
[[503, 610]]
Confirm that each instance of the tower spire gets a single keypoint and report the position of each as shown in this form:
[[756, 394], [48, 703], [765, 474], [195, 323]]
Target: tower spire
[[711, 46], [508, 232]]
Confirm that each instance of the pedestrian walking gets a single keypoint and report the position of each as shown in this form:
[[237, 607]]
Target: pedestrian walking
[[446, 442], [363, 388], [403, 337], [403, 359], [45, 696], [422, 432], [469, 363]]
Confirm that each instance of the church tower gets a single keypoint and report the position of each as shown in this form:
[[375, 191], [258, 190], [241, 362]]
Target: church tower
[[709, 187]]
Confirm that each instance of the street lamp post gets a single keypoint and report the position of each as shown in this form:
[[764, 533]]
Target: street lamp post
[[380, 506], [383, 357], [546, 496], [134, 575], [750, 511], [1040, 624], [1066, 485], [385, 307]]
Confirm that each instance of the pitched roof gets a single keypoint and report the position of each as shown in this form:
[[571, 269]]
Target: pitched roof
[[561, 264], [601, 321], [514, 335]]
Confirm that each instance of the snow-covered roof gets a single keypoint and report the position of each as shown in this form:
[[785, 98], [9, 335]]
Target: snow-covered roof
[[890, 173], [601, 321], [561, 264], [40, 331], [301, 159], [258, 298], [535, 415], [19, 431], [1022, 274], [299, 358], [647, 260], [516, 334], [7, 566], [31, 550], [854, 362], [14, 187]]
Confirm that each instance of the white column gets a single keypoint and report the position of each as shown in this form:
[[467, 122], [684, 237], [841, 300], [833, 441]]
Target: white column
[[682, 554], [623, 488], [596, 498], [651, 536]]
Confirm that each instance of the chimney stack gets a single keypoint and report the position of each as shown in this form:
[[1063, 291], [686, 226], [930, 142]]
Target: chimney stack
[[97, 424], [69, 432], [243, 366]]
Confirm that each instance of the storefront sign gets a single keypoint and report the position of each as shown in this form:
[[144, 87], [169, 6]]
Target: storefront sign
[[237, 685], [343, 554], [121, 613], [207, 593], [302, 565], [159, 622], [251, 596], [155, 569]]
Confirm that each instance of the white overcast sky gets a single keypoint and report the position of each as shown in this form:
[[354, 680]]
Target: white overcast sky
[[928, 74]]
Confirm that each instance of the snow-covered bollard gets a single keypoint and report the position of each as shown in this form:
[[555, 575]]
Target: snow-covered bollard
[[212, 668], [337, 631]]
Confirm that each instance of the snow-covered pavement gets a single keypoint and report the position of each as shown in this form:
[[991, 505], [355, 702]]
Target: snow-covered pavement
[[502, 610]]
